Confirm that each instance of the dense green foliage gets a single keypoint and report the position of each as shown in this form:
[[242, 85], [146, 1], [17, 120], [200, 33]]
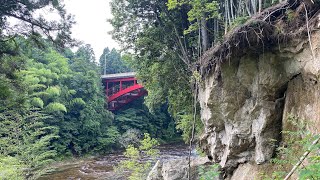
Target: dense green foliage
[[154, 57], [137, 116], [112, 62], [165, 40], [70, 90], [52, 103], [26, 139], [52, 106], [27, 142], [31, 22]]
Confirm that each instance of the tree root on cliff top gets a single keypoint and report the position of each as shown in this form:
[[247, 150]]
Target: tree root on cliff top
[[279, 24]]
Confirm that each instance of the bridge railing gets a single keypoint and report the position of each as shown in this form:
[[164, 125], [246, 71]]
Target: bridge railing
[[117, 88], [113, 90]]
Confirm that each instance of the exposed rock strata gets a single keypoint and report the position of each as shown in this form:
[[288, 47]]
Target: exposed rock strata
[[246, 107]]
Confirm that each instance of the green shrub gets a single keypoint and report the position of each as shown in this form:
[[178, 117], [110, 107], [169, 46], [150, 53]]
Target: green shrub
[[10, 168], [134, 164], [209, 173]]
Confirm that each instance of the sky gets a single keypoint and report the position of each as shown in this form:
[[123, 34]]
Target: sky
[[92, 26]]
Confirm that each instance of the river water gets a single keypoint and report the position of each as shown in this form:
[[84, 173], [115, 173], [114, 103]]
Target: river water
[[102, 168]]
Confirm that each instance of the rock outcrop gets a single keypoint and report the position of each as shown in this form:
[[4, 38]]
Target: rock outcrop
[[244, 108], [177, 169]]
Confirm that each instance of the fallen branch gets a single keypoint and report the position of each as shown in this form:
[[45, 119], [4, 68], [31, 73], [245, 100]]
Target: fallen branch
[[308, 30], [303, 157]]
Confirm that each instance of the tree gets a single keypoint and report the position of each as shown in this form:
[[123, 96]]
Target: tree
[[70, 91], [26, 142], [165, 45], [95, 131], [26, 139], [42, 114], [112, 62], [11, 88], [137, 169], [32, 25], [198, 15], [136, 116], [161, 53]]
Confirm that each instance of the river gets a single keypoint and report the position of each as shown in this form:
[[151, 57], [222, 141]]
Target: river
[[102, 168]]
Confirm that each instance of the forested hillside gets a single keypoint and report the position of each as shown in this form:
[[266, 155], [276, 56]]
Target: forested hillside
[[52, 101], [57, 107], [33, 94], [166, 40], [136, 118]]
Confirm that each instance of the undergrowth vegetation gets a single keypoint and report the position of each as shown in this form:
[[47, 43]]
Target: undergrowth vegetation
[[140, 158], [296, 142], [209, 173]]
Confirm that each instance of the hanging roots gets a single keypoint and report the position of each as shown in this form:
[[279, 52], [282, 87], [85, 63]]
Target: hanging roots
[[276, 25]]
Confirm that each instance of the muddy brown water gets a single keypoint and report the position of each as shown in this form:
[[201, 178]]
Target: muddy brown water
[[102, 168]]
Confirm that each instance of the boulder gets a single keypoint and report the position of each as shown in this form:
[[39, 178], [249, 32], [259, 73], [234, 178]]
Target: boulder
[[177, 169]]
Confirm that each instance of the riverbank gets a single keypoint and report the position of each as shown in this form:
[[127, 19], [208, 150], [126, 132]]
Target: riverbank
[[102, 167]]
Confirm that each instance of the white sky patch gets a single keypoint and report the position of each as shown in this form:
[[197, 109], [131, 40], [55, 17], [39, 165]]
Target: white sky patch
[[92, 26]]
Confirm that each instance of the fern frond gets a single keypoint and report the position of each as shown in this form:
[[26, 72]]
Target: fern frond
[[38, 86], [53, 91], [77, 101], [72, 92], [54, 107], [40, 94], [37, 102]]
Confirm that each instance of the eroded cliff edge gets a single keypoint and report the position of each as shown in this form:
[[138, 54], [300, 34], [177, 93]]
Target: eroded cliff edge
[[246, 96]]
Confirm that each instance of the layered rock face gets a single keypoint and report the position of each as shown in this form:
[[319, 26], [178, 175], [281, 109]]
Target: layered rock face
[[245, 110]]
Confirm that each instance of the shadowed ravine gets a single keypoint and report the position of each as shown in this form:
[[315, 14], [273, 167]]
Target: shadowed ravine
[[103, 167]]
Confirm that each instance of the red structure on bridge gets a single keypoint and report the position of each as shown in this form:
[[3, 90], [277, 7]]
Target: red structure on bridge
[[121, 89]]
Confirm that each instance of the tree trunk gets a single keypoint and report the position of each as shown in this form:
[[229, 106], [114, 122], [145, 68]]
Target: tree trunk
[[231, 10], [260, 6], [248, 8], [204, 33], [228, 12], [225, 18], [254, 6], [216, 30]]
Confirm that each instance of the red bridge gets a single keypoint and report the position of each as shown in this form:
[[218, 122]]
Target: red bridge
[[121, 89]]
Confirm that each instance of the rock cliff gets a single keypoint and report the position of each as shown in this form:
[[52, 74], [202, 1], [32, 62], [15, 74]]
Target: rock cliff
[[245, 98]]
